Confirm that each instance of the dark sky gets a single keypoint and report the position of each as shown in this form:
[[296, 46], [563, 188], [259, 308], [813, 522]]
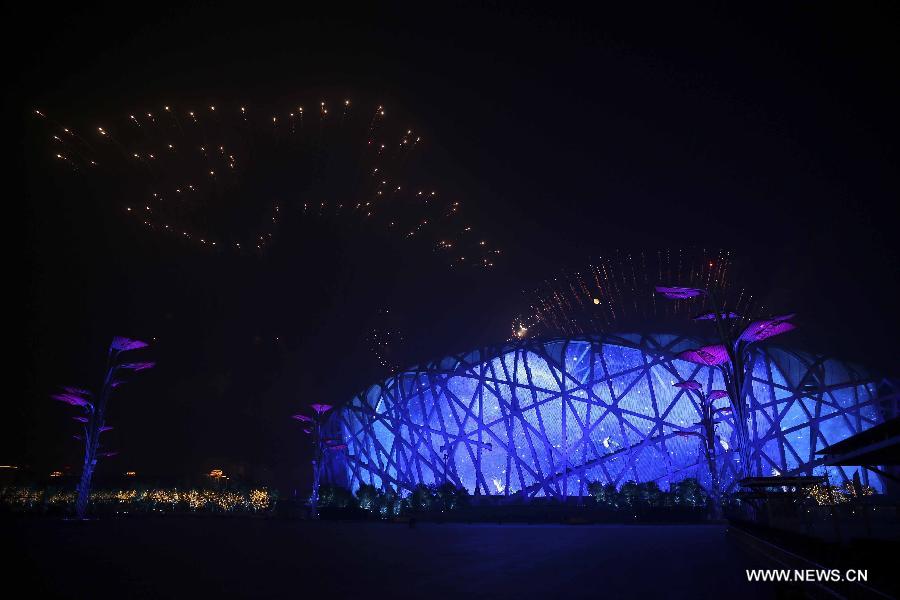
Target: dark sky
[[568, 134]]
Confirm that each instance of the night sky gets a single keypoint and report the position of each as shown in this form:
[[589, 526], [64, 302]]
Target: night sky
[[566, 135]]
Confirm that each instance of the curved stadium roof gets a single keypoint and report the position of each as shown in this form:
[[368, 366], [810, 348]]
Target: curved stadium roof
[[547, 417]]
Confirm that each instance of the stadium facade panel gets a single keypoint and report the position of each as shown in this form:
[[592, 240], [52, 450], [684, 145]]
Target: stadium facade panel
[[544, 418]]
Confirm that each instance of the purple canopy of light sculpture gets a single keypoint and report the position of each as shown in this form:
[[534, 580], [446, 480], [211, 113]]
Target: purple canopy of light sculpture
[[320, 408], [679, 293], [688, 385], [715, 354], [717, 394], [71, 399], [77, 437], [123, 344], [766, 328], [81, 419], [711, 315], [139, 366], [302, 418], [337, 447], [105, 428], [107, 454]]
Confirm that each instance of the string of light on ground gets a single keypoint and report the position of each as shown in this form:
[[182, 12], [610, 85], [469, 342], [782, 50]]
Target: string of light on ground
[[144, 500]]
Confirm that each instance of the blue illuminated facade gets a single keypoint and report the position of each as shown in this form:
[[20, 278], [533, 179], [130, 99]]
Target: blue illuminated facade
[[544, 418]]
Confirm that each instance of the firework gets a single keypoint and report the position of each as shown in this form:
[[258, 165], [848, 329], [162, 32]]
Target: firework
[[618, 291], [385, 339], [225, 177]]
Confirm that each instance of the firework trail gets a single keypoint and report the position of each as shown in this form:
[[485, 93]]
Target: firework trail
[[385, 340], [616, 292]]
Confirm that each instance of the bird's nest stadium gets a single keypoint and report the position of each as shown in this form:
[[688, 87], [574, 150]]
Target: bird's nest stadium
[[544, 418]]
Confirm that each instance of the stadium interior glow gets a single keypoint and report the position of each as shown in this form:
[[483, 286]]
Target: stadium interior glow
[[545, 418]]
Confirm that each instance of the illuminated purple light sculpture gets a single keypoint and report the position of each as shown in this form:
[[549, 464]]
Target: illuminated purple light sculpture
[[321, 444], [731, 354], [95, 413]]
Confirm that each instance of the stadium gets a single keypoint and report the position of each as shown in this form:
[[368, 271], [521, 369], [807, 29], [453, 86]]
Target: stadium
[[545, 417]]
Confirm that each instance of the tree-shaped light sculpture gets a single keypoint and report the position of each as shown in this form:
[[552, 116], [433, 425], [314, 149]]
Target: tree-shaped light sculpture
[[705, 429], [732, 355], [94, 418], [312, 426]]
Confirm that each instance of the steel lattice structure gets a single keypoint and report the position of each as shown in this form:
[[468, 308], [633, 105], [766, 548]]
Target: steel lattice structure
[[545, 418]]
